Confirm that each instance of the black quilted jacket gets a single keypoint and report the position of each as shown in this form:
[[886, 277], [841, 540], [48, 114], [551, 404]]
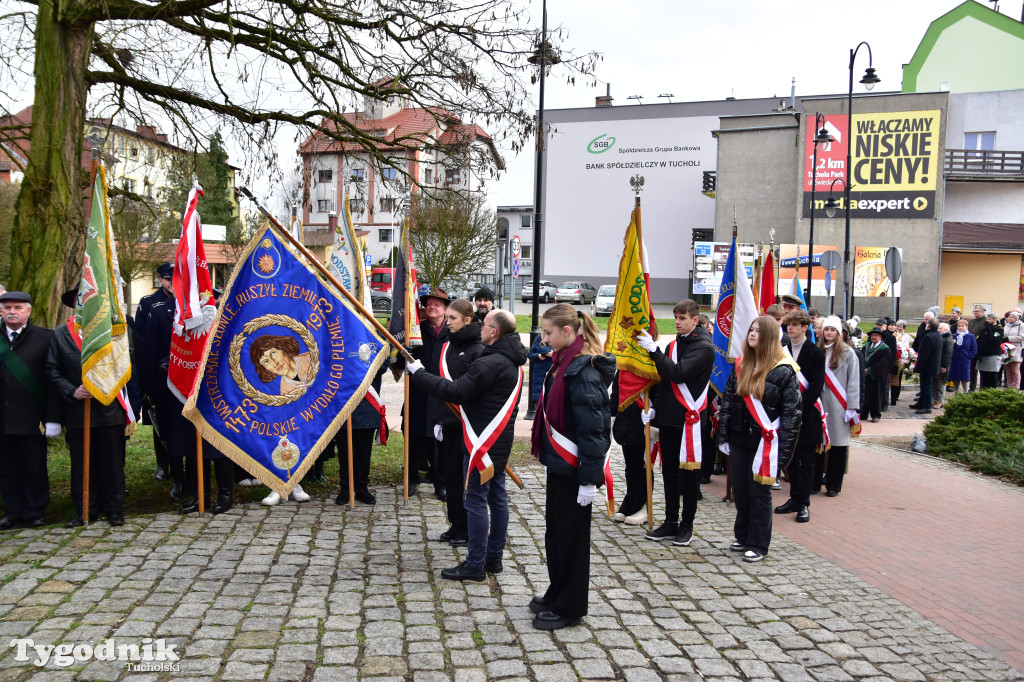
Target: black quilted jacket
[[737, 427]]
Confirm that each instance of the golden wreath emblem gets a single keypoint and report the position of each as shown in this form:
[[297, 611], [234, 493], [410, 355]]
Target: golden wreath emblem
[[235, 361]]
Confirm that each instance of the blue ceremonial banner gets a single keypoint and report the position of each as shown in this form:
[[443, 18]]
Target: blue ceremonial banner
[[735, 312], [287, 362]]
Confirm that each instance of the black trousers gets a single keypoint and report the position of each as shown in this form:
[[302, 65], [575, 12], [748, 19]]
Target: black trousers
[[874, 391], [894, 391], [989, 380], [709, 447], [753, 526], [636, 479], [223, 468], [423, 457], [160, 450], [801, 473], [974, 373], [567, 548], [106, 469], [24, 480], [836, 458], [685, 482], [362, 446], [451, 452]]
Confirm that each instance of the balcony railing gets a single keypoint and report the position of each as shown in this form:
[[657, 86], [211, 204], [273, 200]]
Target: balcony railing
[[990, 164]]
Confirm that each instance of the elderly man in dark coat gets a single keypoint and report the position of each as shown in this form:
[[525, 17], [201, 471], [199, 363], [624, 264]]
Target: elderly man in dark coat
[[929, 362]]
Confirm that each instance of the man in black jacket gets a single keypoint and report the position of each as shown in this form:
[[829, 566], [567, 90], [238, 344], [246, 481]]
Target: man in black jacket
[[939, 382], [929, 361], [483, 393], [812, 380], [165, 273], [876, 377], [25, 404], [681, 406]]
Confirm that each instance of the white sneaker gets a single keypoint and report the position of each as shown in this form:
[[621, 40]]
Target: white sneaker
[[777, 485], [619, 518], [271, 499], [299, 495], [245, 482], [639, 518]]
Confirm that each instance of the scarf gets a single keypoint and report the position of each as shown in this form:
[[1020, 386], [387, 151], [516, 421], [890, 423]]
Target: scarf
[[552, 409]]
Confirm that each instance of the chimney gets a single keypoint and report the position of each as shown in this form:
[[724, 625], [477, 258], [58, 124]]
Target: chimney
[[604, 100]]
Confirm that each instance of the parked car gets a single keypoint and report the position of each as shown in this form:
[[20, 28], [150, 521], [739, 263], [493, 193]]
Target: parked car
[[604, 302], [576, 292], [546, 293], [381, 301]]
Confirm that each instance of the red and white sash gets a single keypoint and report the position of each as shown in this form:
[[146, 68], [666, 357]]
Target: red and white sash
[[569, 451], [690, 450], [122, 397], [766, 461], [804, 384], [374, 399], [839, 392]]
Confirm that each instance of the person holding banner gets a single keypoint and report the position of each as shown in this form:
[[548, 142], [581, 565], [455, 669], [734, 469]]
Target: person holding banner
[[758, 427], [457, 354], [488, 399], [571, 436], [679, 413], [841, 397], [367, 418]]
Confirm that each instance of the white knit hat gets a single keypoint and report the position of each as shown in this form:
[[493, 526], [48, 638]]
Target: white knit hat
[[834, 322]]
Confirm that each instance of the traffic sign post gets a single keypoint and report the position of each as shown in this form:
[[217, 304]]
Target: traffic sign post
[[894, 270], [516, 249]]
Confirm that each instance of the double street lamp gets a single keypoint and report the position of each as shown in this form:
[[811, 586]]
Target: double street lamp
[[821, 137], [868, 81]]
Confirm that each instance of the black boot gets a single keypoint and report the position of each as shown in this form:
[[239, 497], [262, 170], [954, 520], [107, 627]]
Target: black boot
[[225, 485]]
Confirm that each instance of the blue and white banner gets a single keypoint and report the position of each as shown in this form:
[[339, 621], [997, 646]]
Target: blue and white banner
[[736, 310]]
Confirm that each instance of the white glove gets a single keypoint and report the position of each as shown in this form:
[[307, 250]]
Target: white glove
[[52, 430], [587, 494], [646, 416], [655, 434], [850, 415], [645, 341], [414, 367], [438, 433], [724, 447]]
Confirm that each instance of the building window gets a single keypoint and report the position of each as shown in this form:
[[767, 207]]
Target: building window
[[133, 150], [451, 176], [150, 154], [428, 176], [149, 191], [980, 141], [128, 185], [388, 173], [324, 175], [526, 251], [358, 175], [387, 204], [324, 205], [525, 220], [122, 146], [385, 235]]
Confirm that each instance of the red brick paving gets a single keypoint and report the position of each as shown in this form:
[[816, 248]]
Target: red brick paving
[[943, 542]]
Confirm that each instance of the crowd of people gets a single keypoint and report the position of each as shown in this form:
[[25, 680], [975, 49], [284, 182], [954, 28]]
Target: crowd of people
[[790, 406]]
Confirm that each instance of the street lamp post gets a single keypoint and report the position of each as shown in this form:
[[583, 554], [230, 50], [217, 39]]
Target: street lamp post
[[868, 81], [821, 136]]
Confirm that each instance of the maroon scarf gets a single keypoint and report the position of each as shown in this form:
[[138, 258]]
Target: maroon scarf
[[552, 409]]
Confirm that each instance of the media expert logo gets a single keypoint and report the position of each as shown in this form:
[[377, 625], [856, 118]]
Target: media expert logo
[[151, 655], [601, 144]]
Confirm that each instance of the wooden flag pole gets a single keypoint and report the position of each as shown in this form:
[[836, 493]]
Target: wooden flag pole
[[200, 488], [728, 479], [405, 442], [86, 438], [351, 474], [648, 464]]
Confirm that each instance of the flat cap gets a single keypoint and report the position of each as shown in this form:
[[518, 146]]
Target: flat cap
[[15, 297]]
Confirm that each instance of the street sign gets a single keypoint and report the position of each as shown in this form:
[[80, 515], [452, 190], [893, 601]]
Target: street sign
[[515, 267], [828, 280], [893, 264], [516, 246], [369, 260], [830, 260]]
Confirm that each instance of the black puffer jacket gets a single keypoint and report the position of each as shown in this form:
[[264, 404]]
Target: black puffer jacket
[[696, 360], [587, 419], [423, 407], [627, 427], [483, 389], [781, 401], [464, 347]]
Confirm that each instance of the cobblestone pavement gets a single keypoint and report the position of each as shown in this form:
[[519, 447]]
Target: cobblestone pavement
[[320, 592]]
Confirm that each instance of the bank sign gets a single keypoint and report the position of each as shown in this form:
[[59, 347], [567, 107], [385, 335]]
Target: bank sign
[[895, 164]]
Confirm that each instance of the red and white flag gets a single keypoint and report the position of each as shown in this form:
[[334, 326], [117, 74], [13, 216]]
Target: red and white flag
[[194, 307]]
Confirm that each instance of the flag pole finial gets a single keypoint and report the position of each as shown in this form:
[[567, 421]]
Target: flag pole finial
[[735, 228], [637, 183]]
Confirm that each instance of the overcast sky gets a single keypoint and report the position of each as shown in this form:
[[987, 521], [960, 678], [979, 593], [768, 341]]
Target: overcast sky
[[712, 50]]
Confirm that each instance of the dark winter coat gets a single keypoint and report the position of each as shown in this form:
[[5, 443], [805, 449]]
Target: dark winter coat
[[627, 427], [812, 366], [483, 389], [587, 419], [540, 366], [64, 371], [365, 416], [21, 411], [963, 353], [423, 406], [929, 353], [877, 362], [696, 353], [147, 365], [464, 346], [947, 351], [990, 341], [890, 340], [736, 426]]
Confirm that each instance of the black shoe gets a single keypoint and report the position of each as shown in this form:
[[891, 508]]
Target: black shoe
[[538, 605], [719, 470], [704, 480], [493, 566], [447, 535], [832, 493], [665, 531], [412, 489], [161, 474], [76, 522], [342, 498], [549, 620], [923, 410], [682, 538], [7, 523], [116, 519], [700, 495], [464, 572], [189, 508], [223, 504], [176, 490], [365, 496], [816, 491], [440, 493], [457, 541], [788, 507], [804, 515], [33, 523]]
